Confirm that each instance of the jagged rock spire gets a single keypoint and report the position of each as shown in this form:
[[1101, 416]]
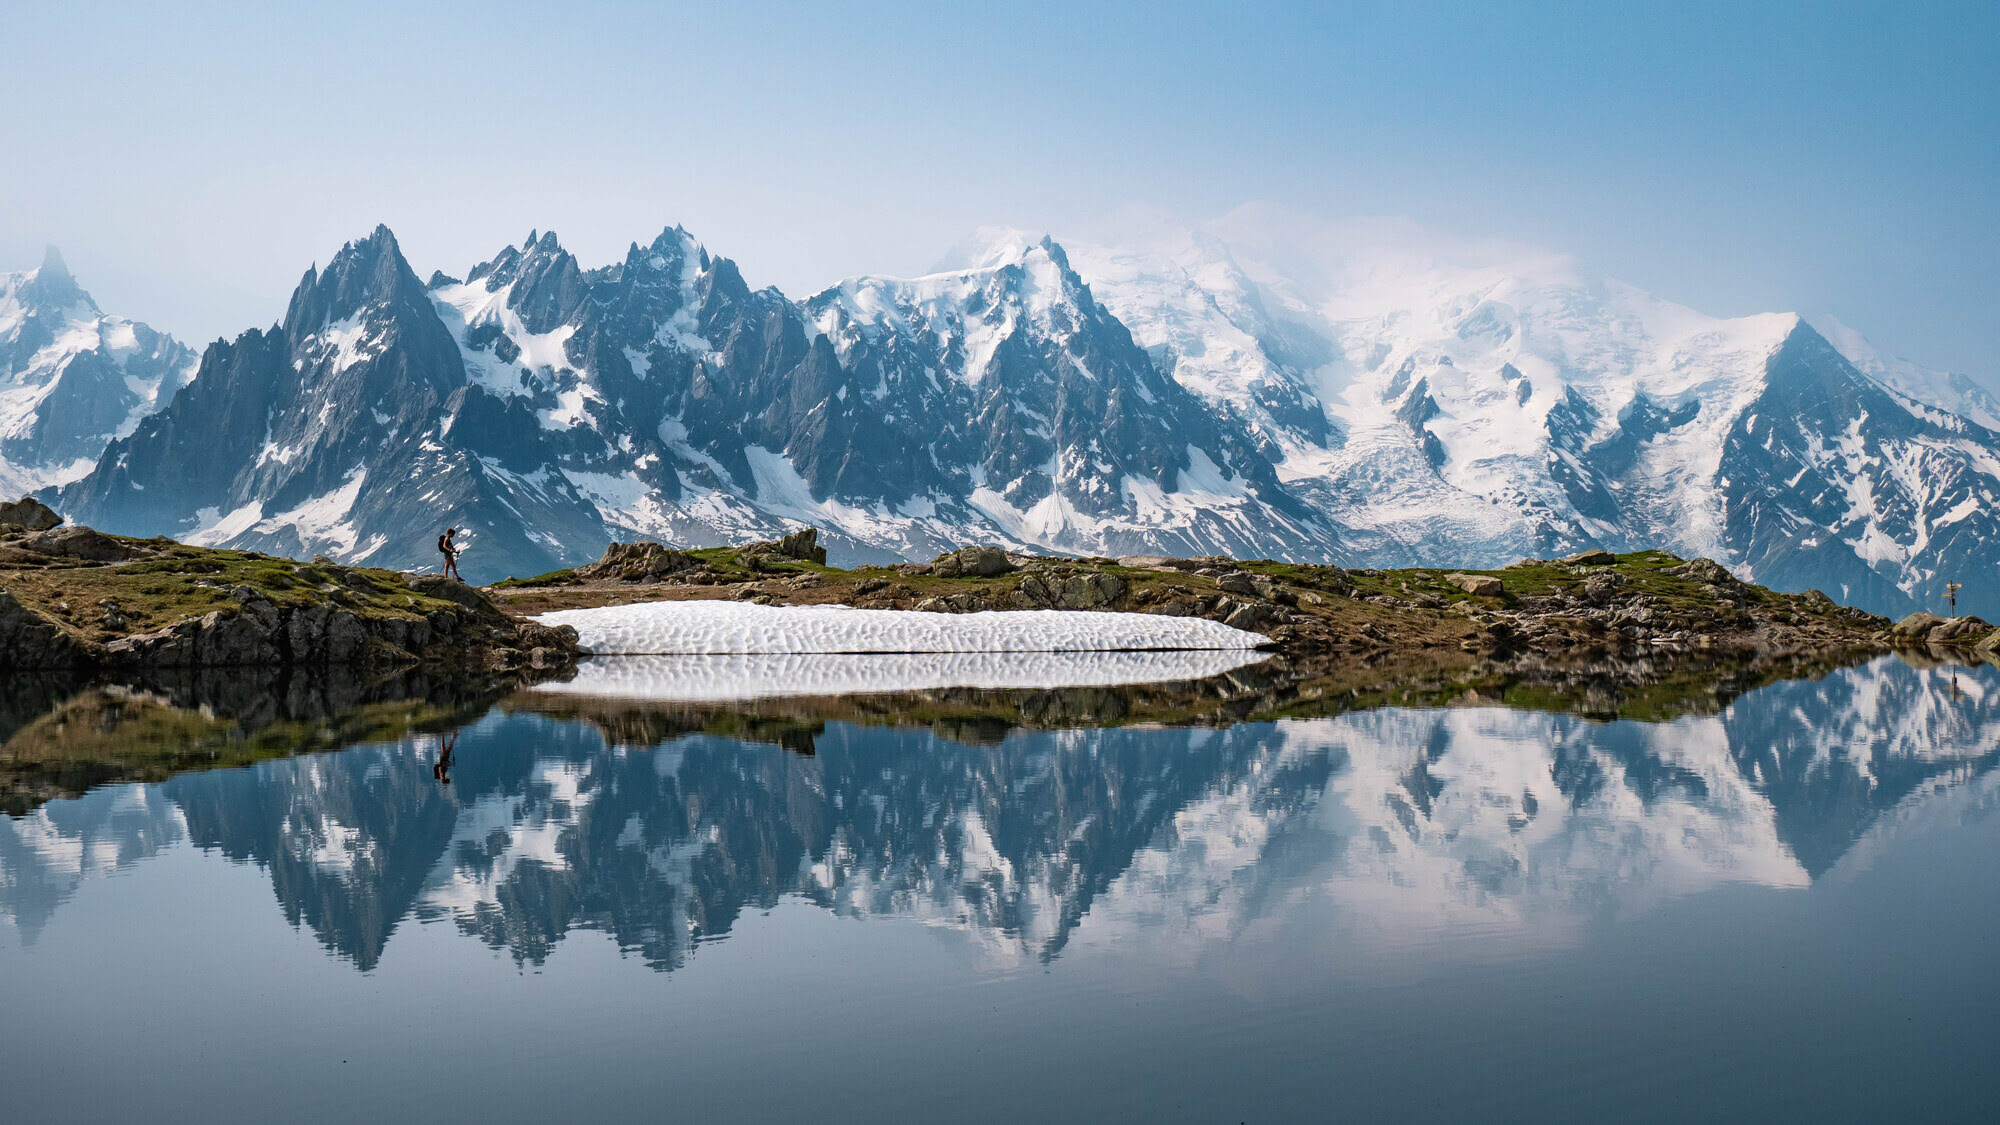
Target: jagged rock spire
[[53, 268]]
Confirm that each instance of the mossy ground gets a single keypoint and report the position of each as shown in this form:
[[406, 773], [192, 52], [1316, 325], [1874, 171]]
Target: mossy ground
[[174, 582]]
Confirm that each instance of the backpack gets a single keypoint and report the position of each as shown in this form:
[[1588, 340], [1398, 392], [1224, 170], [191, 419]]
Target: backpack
[[443, 547]]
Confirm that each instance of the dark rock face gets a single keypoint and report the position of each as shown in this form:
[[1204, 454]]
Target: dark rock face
[[30, 641], [262, 634], [29, 514]]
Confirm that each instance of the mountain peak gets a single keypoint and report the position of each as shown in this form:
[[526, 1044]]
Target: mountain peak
[[366, 270], [991, 248], [53, 268]]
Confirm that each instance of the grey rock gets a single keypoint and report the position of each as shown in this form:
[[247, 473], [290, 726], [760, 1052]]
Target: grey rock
[[1592, 557], [81, 543], [29, 514], [1238, 582], [1478, 585], [1250, 616], [1955, 630], [802, 544], [1917, 624], [979, 562]]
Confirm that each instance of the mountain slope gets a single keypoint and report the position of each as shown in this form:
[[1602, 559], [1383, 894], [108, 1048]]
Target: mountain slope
[[72, 377]]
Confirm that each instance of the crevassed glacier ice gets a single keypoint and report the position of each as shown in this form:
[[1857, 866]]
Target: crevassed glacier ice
[[741, 676], [669, 628]]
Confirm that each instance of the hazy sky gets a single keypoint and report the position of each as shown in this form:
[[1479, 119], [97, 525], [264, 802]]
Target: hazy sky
[[1738, 158]]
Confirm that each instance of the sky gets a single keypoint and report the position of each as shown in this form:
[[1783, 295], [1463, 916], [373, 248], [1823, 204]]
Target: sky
[[192, 160]]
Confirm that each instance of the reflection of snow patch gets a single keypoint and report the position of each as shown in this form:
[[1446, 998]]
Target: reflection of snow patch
[[667, 628], [742, 676]]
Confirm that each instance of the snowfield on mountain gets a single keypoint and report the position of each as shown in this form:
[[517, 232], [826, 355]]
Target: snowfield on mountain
[[1272, 386]]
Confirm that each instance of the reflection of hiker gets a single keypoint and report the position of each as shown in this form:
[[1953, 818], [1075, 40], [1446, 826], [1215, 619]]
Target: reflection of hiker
[[442, 771], [449, 549]]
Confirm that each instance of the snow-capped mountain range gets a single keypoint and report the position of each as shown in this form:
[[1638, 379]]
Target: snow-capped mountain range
[[1269, 385]]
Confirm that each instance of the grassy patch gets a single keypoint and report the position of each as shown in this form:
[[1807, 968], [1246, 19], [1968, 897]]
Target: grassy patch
[[178, 582]]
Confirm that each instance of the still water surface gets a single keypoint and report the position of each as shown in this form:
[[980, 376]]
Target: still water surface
[[1790, 909]]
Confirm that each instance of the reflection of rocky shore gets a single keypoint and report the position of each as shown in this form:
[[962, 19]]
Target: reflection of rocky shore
[[1404, 817], [61, 736]]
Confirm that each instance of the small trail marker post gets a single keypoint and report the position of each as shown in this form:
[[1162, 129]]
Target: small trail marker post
[[1951, 590]]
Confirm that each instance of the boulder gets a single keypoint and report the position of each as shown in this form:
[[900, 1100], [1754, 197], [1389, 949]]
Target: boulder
[[1478, 585], [29, 514], [974, 562], [1957, 630], [83, 543], [635, 562], [447, 589], [1705, 570], [1917, 624], [1068, 590], [802, 544], [1248, 616], [1238, 582], [1592, 557]]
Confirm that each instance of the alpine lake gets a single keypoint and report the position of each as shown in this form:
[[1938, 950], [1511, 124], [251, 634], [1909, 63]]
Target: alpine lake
[[705, 889]]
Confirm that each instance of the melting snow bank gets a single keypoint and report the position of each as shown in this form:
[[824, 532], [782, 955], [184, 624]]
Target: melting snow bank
[[727, 678], [708, 627]]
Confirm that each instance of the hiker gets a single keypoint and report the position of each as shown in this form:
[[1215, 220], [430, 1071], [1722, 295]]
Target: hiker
[[449, 550]]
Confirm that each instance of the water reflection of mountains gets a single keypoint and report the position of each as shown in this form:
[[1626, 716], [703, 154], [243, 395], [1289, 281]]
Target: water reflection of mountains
[[1019, 837]]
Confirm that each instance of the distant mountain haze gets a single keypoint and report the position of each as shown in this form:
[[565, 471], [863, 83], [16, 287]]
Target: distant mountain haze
[[1264, 387]]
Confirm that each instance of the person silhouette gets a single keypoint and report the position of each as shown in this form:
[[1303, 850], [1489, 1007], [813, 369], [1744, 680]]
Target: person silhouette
[[448, 547], [442, 770]]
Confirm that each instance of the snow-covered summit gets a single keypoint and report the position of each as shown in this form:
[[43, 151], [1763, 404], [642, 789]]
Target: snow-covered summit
[[1485, 400], [72, 377]]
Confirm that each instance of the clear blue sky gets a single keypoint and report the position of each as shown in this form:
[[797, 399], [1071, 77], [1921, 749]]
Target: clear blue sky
[[1736, 157]]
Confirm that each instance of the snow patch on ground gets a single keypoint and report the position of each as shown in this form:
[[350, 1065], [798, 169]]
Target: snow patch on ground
[[670, 628]]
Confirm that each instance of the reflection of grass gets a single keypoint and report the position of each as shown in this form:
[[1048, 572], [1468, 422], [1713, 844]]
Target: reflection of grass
[[1276, 689], [106, 734]]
